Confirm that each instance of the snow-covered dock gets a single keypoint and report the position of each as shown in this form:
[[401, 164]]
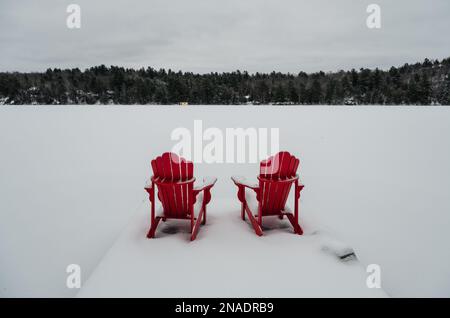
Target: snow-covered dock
[[226, 260]]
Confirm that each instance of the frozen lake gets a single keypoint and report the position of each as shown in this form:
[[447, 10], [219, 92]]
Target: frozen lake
[[72, 179]]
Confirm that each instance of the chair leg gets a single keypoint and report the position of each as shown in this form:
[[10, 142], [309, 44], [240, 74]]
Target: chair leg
[[297, 228], [192, 220], [197, 224], [254, 222], [294, 219], [151, 232], [154, 220], [243, 211], [204, 215], [259, 214]]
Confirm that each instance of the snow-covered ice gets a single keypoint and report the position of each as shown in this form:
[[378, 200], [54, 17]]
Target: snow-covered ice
[[72, 178]]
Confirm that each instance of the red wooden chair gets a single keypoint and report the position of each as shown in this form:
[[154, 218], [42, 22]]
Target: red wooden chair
[[277, 175], [174, 179]]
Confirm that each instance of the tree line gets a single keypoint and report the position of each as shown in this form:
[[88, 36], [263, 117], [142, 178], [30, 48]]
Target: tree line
[[424, 83]]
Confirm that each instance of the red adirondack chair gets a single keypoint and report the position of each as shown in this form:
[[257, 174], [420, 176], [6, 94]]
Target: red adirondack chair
[[277, 175], [174, 179]]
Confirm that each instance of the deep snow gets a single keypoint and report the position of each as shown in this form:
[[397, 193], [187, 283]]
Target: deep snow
[[72, 178]]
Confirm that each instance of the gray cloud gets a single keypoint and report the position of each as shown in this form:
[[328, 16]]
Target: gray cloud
[[218, 35]]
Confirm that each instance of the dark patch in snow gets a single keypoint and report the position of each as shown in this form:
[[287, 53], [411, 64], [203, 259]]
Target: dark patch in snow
[[335, 247], [348, 257], [170, 230]]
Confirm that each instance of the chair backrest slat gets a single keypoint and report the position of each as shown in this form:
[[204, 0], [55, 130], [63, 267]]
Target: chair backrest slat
[[272, 181], [171, 173]]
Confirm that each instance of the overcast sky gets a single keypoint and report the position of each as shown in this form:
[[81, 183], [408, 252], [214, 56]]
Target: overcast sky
[[222, 35]]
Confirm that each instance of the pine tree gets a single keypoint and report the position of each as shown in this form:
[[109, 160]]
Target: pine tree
[[280, 94], [425, 90], [330, 91], [444, 95], [303, 98], [414, 90], [293, 95], [315, 92]]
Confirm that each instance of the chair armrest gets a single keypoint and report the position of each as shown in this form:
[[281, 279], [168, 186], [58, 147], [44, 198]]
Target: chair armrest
[[243, 182], [207, 183], [205, 186], [300, 184]]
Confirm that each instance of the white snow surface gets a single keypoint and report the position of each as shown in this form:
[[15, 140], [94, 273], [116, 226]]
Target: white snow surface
[[226, 260], [72, 183]]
